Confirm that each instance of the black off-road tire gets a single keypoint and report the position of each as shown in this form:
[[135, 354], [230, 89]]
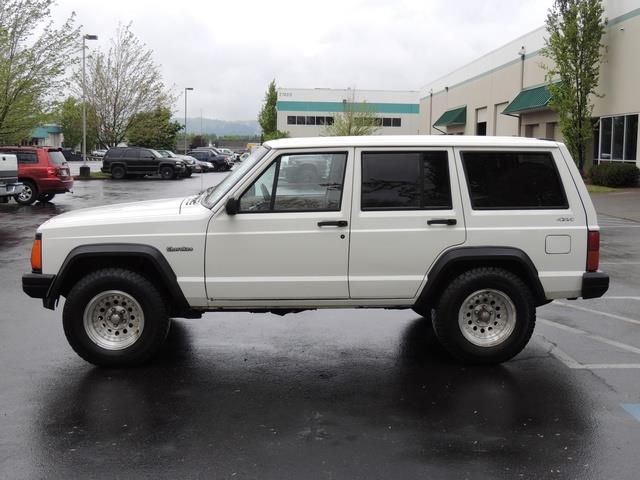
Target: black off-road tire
[[28, 195], [156, 319], [118, 172], [167, 173], [46, 197], [447, 325]]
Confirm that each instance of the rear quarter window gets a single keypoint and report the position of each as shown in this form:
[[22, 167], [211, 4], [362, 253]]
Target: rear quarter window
[[114, 153], [513, 181], [57, 157]]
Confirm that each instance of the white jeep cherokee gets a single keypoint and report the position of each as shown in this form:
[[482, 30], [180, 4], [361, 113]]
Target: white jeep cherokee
[[475, 232]]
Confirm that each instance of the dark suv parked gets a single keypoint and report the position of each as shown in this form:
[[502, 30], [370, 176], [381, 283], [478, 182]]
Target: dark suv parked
[[138, 162], [218, 161]]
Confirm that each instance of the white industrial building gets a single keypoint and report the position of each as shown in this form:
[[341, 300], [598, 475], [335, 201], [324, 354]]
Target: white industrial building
[[504, 91], [306, 112]]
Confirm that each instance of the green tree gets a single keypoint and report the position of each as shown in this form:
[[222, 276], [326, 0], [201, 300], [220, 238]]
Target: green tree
[[268, 116], [34, 56], [68, 115], [357, 119], [154, 129], [574, 44], [121, 83]]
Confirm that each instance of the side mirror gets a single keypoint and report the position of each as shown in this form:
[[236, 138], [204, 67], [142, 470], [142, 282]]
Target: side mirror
[[232, 206]]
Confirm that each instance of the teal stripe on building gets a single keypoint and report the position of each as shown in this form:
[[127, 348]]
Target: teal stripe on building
[[291, 106]]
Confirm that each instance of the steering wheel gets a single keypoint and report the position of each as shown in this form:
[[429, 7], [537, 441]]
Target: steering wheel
[[265, 193]]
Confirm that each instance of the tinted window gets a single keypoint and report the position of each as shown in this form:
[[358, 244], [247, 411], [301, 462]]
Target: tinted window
[[386, 122], [405, 181], [311, 120], [300, 120], [132, 153], [291, 120], [513, 180], [329, 120], [27, 157], [396, 122], [114, 153], [57, 158], [298, 183]]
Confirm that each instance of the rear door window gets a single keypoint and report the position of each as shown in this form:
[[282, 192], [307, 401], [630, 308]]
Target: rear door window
[[27, 157], [405, 181], [513, 180], [114, 153]]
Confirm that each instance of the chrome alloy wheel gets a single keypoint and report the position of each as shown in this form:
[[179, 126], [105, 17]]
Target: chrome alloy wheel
[[487, 317], [26, 193], [113, 320]]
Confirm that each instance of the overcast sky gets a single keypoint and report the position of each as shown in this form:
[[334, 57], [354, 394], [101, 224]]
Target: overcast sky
[[228, 51]]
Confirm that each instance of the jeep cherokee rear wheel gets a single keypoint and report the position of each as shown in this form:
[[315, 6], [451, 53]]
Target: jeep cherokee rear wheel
[[115, 317], [486, 315]]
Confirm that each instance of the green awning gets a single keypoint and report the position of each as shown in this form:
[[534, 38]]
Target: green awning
[[534, 98], [455, 116]]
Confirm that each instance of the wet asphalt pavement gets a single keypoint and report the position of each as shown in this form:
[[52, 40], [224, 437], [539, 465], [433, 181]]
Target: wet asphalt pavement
[[335, 394]]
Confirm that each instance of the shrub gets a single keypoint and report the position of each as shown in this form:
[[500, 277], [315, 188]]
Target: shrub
[[615, 175]]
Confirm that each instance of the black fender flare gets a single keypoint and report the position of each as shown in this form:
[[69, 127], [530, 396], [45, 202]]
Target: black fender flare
[[162, 271], [457, 258]]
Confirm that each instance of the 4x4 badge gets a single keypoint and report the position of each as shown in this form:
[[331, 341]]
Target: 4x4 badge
[[179, 249], [566, 219]]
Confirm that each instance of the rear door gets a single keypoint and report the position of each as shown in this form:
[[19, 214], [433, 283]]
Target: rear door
[[406, 211]]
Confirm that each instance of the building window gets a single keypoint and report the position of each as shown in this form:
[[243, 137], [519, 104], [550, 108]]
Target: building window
[[320, 120], [395, 122], [311, 120], [291, 120], [618, 138], [329, 120], [386, 122], [300, 120]]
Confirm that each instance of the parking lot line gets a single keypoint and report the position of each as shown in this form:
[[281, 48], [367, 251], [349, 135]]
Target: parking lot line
[[598, 312], [597, 338], [633, 409]]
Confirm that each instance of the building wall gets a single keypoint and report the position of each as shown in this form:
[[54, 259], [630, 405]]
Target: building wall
[[487, 84], [322, 102]]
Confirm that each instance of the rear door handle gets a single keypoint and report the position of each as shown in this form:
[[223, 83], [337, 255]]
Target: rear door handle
[[442, 221], [333, 223]]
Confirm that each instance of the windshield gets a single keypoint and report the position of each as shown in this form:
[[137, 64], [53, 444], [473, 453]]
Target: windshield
[[213, 194]]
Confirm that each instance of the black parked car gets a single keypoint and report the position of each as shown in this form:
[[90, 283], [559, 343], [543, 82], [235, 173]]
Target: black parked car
[[121, 162], [219, 162], [71, 155]]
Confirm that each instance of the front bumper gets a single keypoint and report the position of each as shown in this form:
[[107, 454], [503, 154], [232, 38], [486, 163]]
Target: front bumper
[[594, 284], [37, 285]]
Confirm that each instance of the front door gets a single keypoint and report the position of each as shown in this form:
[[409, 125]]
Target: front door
[[290, 237], [406, 211]]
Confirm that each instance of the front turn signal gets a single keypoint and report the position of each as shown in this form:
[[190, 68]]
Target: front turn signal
[[36, 255]]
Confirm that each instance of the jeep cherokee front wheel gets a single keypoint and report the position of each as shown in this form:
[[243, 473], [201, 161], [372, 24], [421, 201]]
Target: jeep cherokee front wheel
[[115, 317], [486, 315]]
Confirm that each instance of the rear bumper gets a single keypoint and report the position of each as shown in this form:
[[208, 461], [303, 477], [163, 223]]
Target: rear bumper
[[594, 284], [55, 185], [37, 285], [10, 189]]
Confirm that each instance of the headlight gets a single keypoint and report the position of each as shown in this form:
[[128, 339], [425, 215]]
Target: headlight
[[179, 164]]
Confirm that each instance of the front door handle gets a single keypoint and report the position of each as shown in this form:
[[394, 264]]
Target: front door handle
[[442, 221], [333, 223]]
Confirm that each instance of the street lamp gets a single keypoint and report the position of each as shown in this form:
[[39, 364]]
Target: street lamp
[[185, 117], [84, 105]]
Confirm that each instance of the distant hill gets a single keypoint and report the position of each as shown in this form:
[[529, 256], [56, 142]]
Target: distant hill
[[221, 127]]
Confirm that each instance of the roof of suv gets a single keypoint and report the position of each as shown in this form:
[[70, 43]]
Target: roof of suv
[[411, 141]]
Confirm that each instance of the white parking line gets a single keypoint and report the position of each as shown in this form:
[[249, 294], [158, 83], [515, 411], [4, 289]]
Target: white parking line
[[598, 312], [597, 338], [572, 363]]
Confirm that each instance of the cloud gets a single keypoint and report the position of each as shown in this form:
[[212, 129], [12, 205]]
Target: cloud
[[229, 51]]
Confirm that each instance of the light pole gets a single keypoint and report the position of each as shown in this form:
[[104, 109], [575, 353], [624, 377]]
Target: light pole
[[85, 170], [185, 117]]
